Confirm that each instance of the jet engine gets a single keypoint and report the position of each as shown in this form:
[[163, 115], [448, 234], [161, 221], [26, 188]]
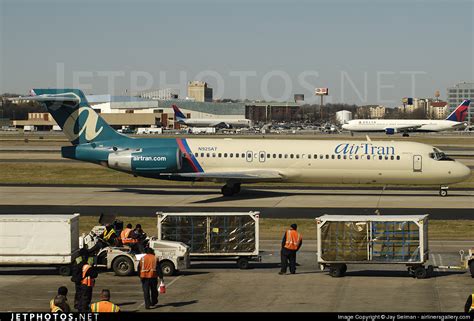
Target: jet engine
[[390, 131], [163, 160]]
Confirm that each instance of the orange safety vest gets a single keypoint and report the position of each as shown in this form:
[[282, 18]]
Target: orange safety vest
[[125, 236], [56, 309], [148, 267], [104, 306], [293, 240], [88, 281]]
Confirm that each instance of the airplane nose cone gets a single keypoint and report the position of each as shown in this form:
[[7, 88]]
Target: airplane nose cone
[[463, 172], [345, 126]]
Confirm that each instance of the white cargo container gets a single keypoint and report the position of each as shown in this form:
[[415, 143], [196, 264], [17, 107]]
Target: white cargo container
[[373, 239], [39, 240], [149, 130], [214, 236]]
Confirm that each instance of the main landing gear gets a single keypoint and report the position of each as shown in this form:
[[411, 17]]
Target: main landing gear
[[230, 189], [405, 134], [443, 191]]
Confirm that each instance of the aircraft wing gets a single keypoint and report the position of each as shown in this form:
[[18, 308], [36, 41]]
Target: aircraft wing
[[240, 176], [401, 128]]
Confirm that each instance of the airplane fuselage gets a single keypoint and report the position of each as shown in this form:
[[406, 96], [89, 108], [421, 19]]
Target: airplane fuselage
[[381, 125], [308, 161]]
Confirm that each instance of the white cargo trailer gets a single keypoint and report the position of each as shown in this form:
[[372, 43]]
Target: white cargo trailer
[[214, 236], [39, 240], [373, 239]]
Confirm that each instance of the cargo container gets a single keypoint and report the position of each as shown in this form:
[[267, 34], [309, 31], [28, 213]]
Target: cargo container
[[373, 239], [39, 240], [214, 236]]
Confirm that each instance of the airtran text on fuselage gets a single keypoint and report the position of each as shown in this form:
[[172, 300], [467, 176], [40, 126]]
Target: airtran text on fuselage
[[364, 148], [140, 158]]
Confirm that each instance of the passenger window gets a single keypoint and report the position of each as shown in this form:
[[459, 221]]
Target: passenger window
[[333, 156], [225, 155], [237, 155], [368, 156], [398, 157], [280, 155], [286, 155], [386, 157], [243, 155], [269, 156], [297, 155], [196, 155], [380, 157], [357, 156], [213, 154], [338, 156], [321, 156], [309, 156], [327, 156], [291, 155], [274, 155], [345, 156], [208, 155], [202, 154], [392, 157], [231, 155], [219, 155]]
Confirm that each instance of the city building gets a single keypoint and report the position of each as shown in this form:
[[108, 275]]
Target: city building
[[160, 94], [343, 116], [272, 111], [457, 93], [438, 110], [377, 112], [199, 91]]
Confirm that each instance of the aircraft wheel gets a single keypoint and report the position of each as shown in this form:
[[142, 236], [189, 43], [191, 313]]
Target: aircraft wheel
[[227, 190], [405, 135], [236, 188]]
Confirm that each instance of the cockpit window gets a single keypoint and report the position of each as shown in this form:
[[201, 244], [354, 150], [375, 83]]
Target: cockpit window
[[439, 155]]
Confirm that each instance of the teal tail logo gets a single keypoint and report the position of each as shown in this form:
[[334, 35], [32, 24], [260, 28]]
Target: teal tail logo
[[80, 123]]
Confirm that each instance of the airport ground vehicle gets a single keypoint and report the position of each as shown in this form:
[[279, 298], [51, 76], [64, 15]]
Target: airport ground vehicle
[[149, 130], [32, 240], [220, 236], [373, 239], [173, 256], [467, 262]]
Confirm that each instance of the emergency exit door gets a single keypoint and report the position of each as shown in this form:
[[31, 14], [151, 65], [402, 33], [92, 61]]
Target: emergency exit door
[[417, 163]]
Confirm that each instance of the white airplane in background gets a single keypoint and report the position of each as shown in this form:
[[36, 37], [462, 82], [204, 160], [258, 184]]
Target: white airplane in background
[[209, 122], [243, 161], [391, 126]]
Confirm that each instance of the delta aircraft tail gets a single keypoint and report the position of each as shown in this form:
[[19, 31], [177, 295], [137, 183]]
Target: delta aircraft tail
[[178, 114], [460, 113]]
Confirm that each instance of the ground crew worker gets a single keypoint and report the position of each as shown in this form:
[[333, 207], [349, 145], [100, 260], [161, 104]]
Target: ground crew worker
[[469, 307], [62, 290], [139, 235], [109, 235], [148, 271], [126, 236], [60, 305], [89, 274], [76, 275], [104, 305], [291, 243]]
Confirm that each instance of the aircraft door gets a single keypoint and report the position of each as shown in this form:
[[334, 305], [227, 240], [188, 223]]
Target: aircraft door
[[249, 156], [261, 157], [417, 163]]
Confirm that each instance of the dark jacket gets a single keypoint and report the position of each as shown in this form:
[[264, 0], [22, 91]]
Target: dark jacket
[[468, 305]]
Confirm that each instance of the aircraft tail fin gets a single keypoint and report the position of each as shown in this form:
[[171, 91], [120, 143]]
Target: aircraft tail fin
[[460, 113], [178, 114], [70, 109]]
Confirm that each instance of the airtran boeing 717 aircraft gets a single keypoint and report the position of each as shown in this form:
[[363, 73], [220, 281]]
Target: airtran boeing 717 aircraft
[[238, 161]]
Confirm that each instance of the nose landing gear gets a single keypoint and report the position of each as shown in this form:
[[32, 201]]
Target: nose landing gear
[[443, 191]]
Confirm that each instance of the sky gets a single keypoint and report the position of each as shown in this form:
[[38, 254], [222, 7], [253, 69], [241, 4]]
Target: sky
[[365, 52]]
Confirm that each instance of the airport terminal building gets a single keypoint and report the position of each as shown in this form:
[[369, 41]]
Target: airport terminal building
[[136, 112]]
